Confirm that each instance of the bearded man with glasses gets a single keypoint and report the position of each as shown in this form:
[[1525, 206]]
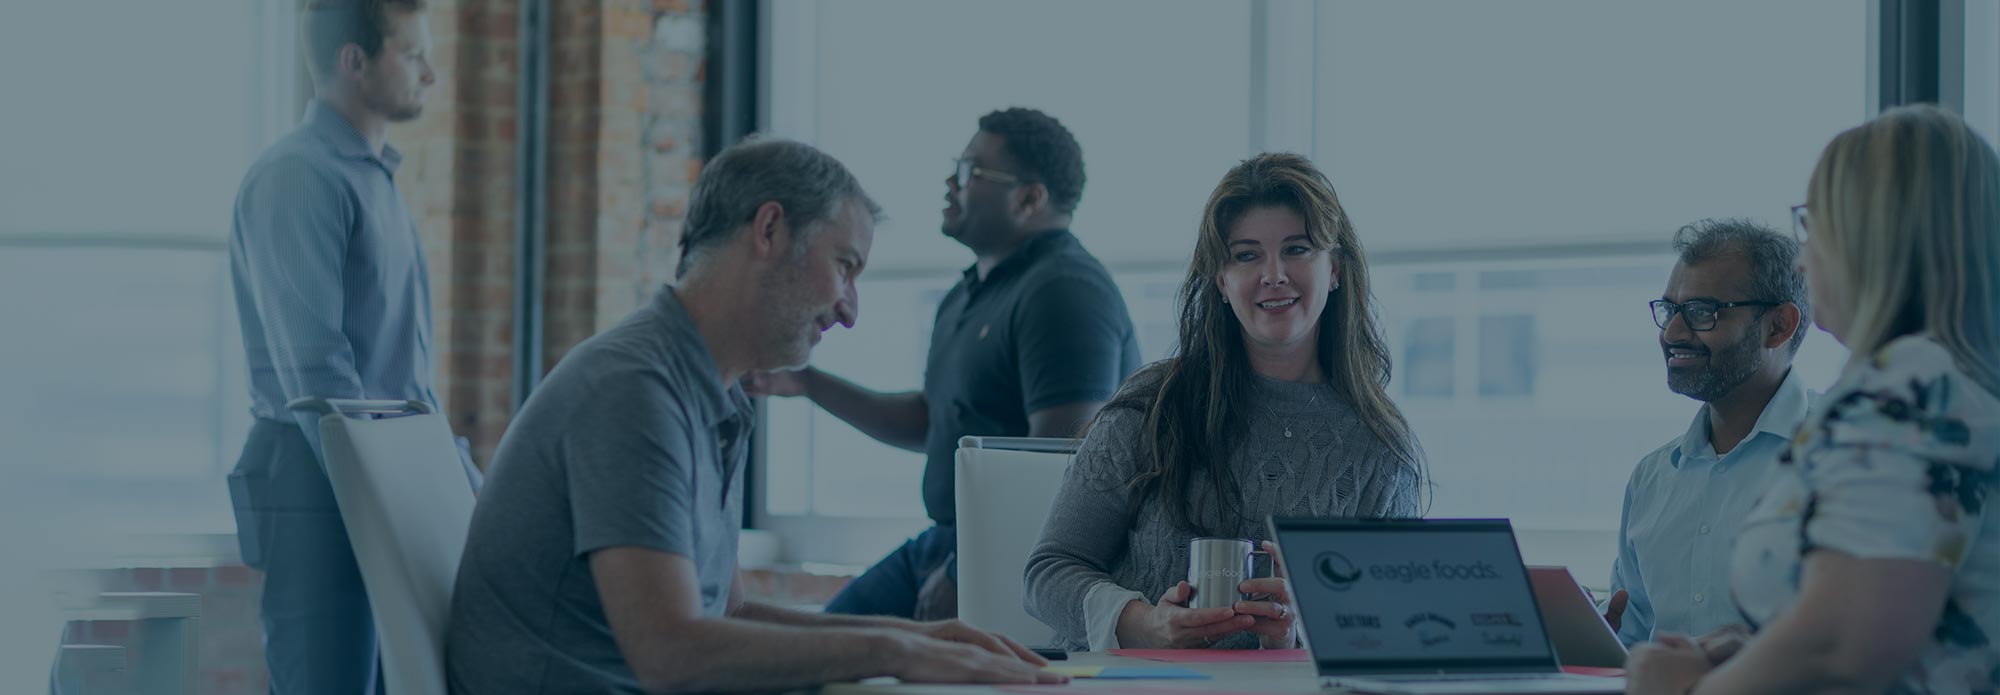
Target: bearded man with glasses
[[1733, 315]]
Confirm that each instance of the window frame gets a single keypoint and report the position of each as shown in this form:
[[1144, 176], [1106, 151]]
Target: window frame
[[276, 87], [1284, 54]]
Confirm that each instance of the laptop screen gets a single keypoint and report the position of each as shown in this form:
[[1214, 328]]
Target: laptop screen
[[1412, 596]]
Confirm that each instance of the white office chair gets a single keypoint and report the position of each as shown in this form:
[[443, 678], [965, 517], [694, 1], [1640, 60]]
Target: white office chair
[[407, 505], [1005, 487]]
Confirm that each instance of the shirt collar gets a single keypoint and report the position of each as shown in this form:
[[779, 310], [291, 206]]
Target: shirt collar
[[1041, 244], [335, 129], [715, 401], [1781, 418]]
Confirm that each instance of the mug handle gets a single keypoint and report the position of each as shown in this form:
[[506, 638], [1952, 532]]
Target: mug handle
[[1260, 568]]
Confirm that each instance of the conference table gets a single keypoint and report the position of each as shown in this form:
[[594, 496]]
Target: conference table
[[1264, 677], [1287, 671]]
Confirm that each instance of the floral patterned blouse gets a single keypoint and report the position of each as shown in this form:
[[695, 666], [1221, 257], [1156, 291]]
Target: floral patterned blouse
[[1899, 463]]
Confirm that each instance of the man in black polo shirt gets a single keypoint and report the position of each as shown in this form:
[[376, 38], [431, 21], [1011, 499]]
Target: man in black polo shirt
[[1029, 343]]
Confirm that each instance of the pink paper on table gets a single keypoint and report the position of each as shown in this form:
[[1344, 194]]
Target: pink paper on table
[[1217, 656], [1116, 690]]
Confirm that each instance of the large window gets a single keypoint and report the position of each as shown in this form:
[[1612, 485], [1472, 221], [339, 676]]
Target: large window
[[1516, 169], [124, 392], [1536, 385], [1549, 150], [895, 89], [1982, 67]]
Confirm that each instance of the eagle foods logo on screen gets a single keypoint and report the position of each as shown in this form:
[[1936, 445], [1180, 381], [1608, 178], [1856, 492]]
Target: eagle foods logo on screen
[[1336, 571], [1339, 573]]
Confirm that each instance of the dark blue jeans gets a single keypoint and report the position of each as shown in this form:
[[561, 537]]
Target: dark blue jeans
[[319, 636], [890, 587]]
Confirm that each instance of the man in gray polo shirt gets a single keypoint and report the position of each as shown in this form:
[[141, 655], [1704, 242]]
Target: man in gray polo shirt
[[602, 554]]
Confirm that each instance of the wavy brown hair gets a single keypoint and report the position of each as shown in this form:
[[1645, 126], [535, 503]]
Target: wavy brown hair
[[1196, 403]]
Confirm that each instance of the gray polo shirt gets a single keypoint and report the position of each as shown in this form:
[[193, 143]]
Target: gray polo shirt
[[633, 440]]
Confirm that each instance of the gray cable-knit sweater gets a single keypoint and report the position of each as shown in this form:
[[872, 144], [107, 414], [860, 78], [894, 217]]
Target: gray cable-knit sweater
[[1102, 538]]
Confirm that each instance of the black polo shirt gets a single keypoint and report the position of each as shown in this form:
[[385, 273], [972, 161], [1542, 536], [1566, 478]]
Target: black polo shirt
[[1045, 328]]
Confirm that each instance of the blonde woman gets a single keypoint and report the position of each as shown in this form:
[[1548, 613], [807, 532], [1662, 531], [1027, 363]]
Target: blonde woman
[[1274, 405], [1873, 562]]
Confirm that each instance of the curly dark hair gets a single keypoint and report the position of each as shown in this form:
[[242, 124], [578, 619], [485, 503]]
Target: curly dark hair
[[1047, 150]]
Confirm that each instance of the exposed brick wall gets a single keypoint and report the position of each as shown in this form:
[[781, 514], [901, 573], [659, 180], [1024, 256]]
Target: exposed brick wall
[[621, 184], [624, 143], [459, 176], [231, 648], [675, 68], [231, 643], [603, 253], [483, 221], [424, 178], [576, 59]]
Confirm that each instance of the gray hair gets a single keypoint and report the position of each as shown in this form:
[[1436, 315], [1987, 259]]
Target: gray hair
[[809, 184], [1773, 257]]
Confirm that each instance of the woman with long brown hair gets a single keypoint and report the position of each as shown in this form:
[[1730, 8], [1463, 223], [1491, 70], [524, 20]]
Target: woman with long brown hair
[[1274, 404]]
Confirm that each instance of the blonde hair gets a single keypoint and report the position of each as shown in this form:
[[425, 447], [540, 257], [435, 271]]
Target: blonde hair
[[1908, 205]]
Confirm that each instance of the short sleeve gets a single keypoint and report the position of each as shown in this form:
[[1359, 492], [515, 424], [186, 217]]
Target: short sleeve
[[1070, 334], [627, 457], [1900, 466]]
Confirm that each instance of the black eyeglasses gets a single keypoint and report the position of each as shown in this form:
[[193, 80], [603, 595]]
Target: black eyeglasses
[[1800, 230], [1700, 314], [965, 171]]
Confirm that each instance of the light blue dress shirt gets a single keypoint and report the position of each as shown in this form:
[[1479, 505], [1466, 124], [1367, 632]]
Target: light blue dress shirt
[[334, 301], [332, 291], [1683, 508]]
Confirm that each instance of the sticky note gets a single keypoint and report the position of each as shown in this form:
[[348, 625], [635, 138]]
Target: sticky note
[[1152, 673]]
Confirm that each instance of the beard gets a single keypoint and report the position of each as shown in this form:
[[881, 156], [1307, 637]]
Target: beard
[[407, 112], [398, 108], [1726, 368], [788, 326], [974, 232], [957, 229]]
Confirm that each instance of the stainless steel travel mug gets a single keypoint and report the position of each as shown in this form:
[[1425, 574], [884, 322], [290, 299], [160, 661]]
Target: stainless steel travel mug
[[1216, 566]]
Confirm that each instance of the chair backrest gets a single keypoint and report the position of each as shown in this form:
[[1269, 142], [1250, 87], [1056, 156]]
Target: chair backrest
[[1004, 496], [407, 505]]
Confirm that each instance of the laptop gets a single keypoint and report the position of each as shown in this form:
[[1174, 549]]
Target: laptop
[[1421, 607], [1581, 636]]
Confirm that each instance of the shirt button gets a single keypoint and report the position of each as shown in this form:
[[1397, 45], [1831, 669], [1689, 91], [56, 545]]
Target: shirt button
[[1704, 530], [1698, 598]]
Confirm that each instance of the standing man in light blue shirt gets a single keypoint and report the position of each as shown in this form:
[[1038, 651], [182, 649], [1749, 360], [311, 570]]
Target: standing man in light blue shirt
[[334, 301], [1732, 317]]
